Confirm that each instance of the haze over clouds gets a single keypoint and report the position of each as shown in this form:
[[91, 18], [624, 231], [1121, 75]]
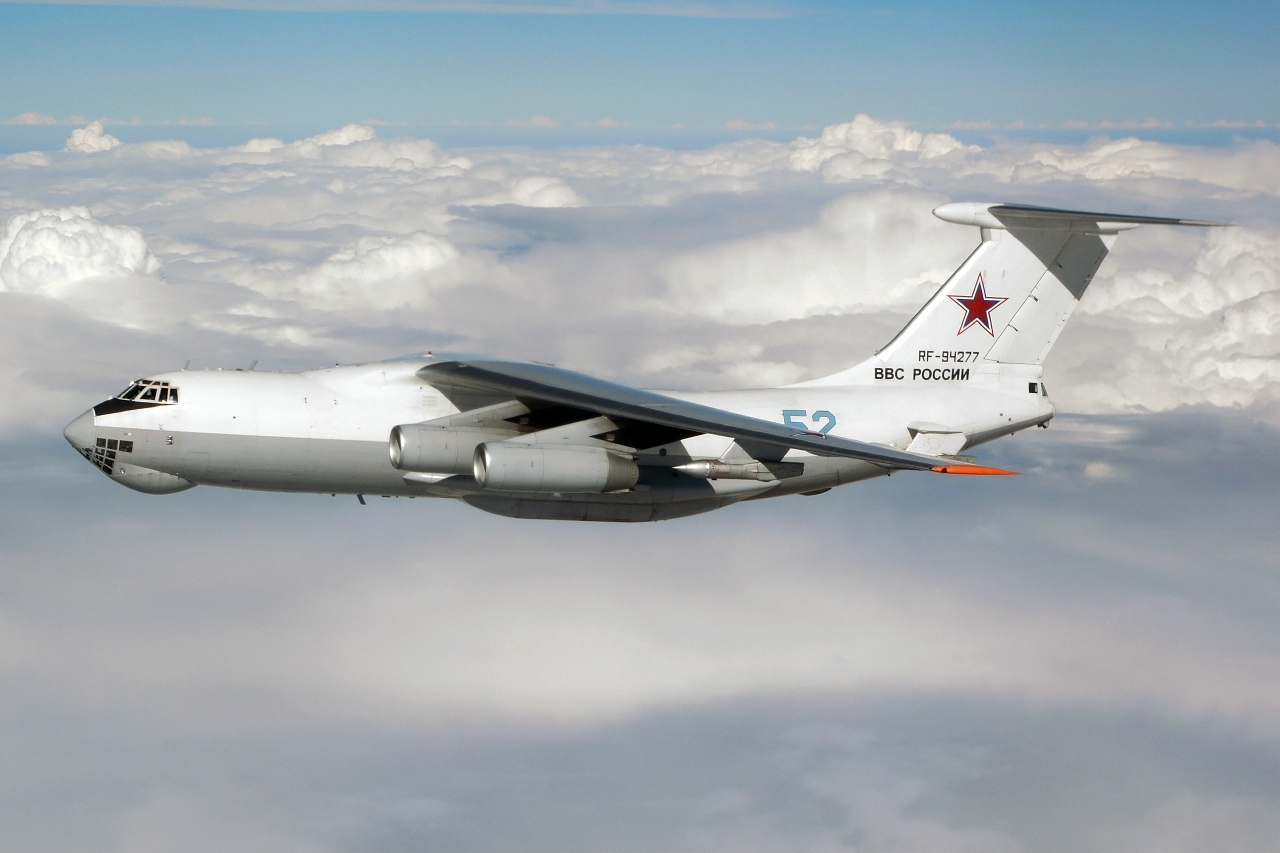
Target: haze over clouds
[[1083, 659]]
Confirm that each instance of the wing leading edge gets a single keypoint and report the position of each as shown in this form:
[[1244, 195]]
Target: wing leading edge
[[546, 384]]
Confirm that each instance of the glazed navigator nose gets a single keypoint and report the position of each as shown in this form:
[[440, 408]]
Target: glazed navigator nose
[[80, 432]]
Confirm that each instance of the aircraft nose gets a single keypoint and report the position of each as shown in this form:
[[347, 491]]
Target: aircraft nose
[[80, 432]]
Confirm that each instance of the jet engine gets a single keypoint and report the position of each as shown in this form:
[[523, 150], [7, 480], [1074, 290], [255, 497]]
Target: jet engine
[[529, 468], [437, 449]]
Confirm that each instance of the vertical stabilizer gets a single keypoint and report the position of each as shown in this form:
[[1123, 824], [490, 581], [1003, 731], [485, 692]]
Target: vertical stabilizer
[[1009, 300]]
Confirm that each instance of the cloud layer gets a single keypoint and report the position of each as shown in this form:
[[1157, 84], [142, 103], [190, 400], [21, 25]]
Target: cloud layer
[[638, 261], [874, 670]]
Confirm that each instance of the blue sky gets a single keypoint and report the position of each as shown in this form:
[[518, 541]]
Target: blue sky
[[814, 64]]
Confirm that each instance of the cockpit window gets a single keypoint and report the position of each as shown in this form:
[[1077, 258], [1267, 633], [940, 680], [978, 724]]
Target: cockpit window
[[151, 391]]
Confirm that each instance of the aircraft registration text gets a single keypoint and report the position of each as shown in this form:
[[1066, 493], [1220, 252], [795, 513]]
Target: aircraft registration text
[[952, 356]]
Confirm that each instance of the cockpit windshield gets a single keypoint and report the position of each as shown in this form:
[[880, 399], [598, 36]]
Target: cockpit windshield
[[150, 391]]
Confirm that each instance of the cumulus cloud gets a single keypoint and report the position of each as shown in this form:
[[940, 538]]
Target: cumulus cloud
[[866, 147], [50, 251], [91, 139]]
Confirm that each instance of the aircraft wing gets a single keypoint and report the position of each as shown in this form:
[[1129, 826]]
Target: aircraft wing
[[539, 383]]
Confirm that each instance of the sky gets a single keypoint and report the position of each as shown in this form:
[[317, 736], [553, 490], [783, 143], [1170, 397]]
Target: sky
[[789, 65], [1082, 658]]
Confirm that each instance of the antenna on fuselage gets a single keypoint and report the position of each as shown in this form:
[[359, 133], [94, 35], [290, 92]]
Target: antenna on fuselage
[[253, 364], [187, 365]]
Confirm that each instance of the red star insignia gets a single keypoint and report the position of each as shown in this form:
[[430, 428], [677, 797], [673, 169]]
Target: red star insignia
[[978, 307]]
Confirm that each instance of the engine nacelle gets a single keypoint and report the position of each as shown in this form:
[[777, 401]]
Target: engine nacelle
[[437, 449], [530, 468]]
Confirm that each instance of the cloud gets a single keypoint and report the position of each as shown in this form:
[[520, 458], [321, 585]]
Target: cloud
[[985, 669], [27, 158], [353, 145], [988, 125], [1225, 123], [91, 139], [1148, 124], [382, 273], [743, 124], [342, 136], [50, 251], [867, 148], [534, 121], [32, 118], [847, 261]]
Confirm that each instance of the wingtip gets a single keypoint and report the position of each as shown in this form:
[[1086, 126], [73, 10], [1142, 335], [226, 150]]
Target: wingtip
[[962, 468]]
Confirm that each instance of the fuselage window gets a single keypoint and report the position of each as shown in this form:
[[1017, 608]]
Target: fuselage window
[[164, 395], [131, 392], [149, 394], [173, 395]]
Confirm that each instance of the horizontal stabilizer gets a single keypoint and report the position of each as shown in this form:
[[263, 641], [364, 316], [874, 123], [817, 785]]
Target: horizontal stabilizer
[[1003, 216]]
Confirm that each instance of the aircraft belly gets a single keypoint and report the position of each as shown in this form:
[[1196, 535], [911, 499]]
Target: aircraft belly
[[595, 510]]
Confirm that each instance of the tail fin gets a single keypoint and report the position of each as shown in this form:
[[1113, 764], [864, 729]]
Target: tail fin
[[1008, 302]]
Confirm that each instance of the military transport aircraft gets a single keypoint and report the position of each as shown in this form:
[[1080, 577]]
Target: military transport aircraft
[[531, 440]]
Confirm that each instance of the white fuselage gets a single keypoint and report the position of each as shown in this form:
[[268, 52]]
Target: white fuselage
[[326, 431]]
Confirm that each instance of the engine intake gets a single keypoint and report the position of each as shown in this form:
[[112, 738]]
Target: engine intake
[[529, 468], [437, 449]]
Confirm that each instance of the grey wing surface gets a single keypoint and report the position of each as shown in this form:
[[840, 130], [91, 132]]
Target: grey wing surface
[[539, 383]]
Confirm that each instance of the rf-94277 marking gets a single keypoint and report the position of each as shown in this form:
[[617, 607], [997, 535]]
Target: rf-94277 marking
[[949, 356]]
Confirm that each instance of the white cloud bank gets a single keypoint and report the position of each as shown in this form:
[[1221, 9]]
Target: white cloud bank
[[650, 264]]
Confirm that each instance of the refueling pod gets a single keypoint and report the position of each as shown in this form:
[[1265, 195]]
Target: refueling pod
[[504, 466]]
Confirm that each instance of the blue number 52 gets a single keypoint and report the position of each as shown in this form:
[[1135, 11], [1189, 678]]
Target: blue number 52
[[789, 419]]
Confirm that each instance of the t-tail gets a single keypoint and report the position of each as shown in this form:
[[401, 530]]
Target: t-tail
[[1008, 302]]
